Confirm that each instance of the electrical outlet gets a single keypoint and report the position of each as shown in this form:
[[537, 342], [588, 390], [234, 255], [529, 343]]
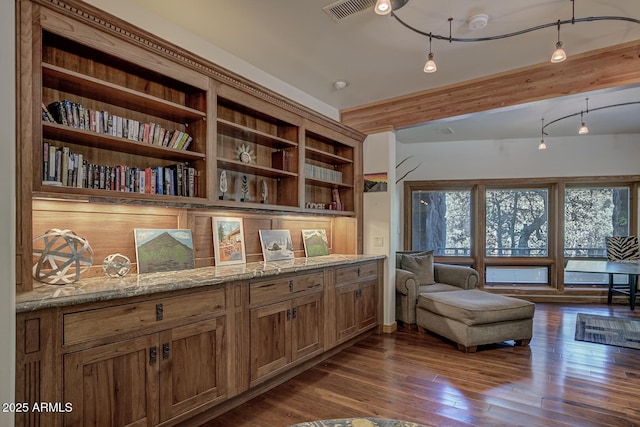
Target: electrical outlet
[[378, 242]]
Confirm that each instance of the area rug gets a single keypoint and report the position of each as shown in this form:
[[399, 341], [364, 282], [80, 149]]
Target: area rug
[[359, 422], [609, 330]]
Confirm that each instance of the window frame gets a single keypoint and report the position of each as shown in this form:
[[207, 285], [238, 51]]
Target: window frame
[[555, 187]]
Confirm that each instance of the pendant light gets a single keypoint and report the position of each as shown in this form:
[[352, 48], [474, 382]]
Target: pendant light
[[583, 129], [559, 54], [383, 7], [430, 66], [542, 145]]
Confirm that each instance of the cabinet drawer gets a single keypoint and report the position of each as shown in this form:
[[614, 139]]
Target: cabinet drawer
[[281, 288], [352, 273], [103, 322]]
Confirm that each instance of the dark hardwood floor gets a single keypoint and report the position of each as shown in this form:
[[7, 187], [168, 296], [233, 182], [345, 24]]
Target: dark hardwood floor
[[556, 381]]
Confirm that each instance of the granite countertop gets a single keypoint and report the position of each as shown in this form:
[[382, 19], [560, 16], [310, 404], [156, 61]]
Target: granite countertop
[[106, 288]]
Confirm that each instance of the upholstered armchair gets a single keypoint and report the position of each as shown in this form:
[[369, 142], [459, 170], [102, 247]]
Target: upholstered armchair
[[416, 273]]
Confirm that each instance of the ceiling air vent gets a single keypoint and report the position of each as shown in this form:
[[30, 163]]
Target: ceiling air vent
[[345, 8], [444, 131]]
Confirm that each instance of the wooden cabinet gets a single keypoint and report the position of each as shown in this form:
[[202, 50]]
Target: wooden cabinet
[[113, 385], [162, 359], [288, 330], [356, 299], [151, 378]]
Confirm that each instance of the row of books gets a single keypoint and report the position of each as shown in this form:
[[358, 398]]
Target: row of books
[[325, 174], [73, 114], [62, 167]]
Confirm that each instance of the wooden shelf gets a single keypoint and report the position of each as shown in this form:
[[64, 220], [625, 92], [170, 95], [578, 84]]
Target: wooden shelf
[[322, 156], [82, 194], [89, 87], [98, 140], [328, 184], [247, 134], [252, 169]]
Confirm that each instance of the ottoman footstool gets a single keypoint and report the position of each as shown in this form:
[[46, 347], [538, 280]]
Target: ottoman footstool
[[471, 317]]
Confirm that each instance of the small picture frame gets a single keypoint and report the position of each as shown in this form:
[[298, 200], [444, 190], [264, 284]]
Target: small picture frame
[[315, 243], [163, 250], [276, 244], [228, 241]]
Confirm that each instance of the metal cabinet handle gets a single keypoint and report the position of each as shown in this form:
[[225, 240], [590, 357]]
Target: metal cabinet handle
[[165, 351], [153, 355], [358, 271], [159, 312], [290, 285], [288, 314], [295, 312]]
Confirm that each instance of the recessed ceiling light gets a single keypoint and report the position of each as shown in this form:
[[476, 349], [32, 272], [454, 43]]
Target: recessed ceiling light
[[340, 84]]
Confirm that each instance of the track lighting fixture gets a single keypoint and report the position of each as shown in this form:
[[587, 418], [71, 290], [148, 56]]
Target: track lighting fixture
[[384, 7], [559, 54], [583, 129], [430, 66], [542, 145]]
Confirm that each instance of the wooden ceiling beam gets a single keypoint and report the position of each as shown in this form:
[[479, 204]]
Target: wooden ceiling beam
[[605, 68]]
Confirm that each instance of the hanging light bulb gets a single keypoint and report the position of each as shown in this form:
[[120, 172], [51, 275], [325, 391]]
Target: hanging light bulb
[[559, 54], [430, 66], [542, 145], [584, 129], [383, 7]]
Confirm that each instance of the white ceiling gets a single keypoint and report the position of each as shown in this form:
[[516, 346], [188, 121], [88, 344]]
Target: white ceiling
[[297, 42]]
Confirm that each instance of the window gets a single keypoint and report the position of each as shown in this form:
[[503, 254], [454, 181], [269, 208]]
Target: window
[[441, 221], [519, 233], [516, 223], [591, 214]]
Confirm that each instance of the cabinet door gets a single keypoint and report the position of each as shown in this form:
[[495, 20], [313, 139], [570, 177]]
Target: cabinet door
[[306, 326], [366, 305], [346, 315], [113, 385], [192, 367], [270, 337]]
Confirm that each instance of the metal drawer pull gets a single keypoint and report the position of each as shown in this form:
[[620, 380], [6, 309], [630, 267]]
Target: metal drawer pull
[[153, 355], [290, 285], [159, 312], [165, 351]]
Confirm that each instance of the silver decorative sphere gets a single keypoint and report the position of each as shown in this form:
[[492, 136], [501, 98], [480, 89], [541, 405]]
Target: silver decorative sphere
[[62, 257], [116, 265]]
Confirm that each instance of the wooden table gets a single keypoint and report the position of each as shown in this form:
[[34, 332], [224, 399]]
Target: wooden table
[[632, 269]]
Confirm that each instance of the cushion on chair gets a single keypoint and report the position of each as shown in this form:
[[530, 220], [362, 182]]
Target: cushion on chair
[[420, 265], [437, 287], [400, 253], [622, 248]]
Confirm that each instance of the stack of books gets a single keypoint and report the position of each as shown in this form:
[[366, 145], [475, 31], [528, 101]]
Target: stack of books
[[72, 114], [324, 174]]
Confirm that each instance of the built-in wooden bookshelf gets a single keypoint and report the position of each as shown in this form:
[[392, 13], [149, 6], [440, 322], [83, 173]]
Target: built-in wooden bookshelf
[[75, 55]]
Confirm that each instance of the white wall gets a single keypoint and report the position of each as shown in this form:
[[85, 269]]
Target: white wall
[[7, 208], [585, 155], [378, 213], [180, 36]]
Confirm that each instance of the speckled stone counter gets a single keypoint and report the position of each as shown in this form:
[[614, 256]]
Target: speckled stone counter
[[105, 288]]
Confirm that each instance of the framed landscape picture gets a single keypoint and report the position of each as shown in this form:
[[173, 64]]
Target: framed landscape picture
[[276, 244], [228, 241], [315, 242], [163, 250]]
